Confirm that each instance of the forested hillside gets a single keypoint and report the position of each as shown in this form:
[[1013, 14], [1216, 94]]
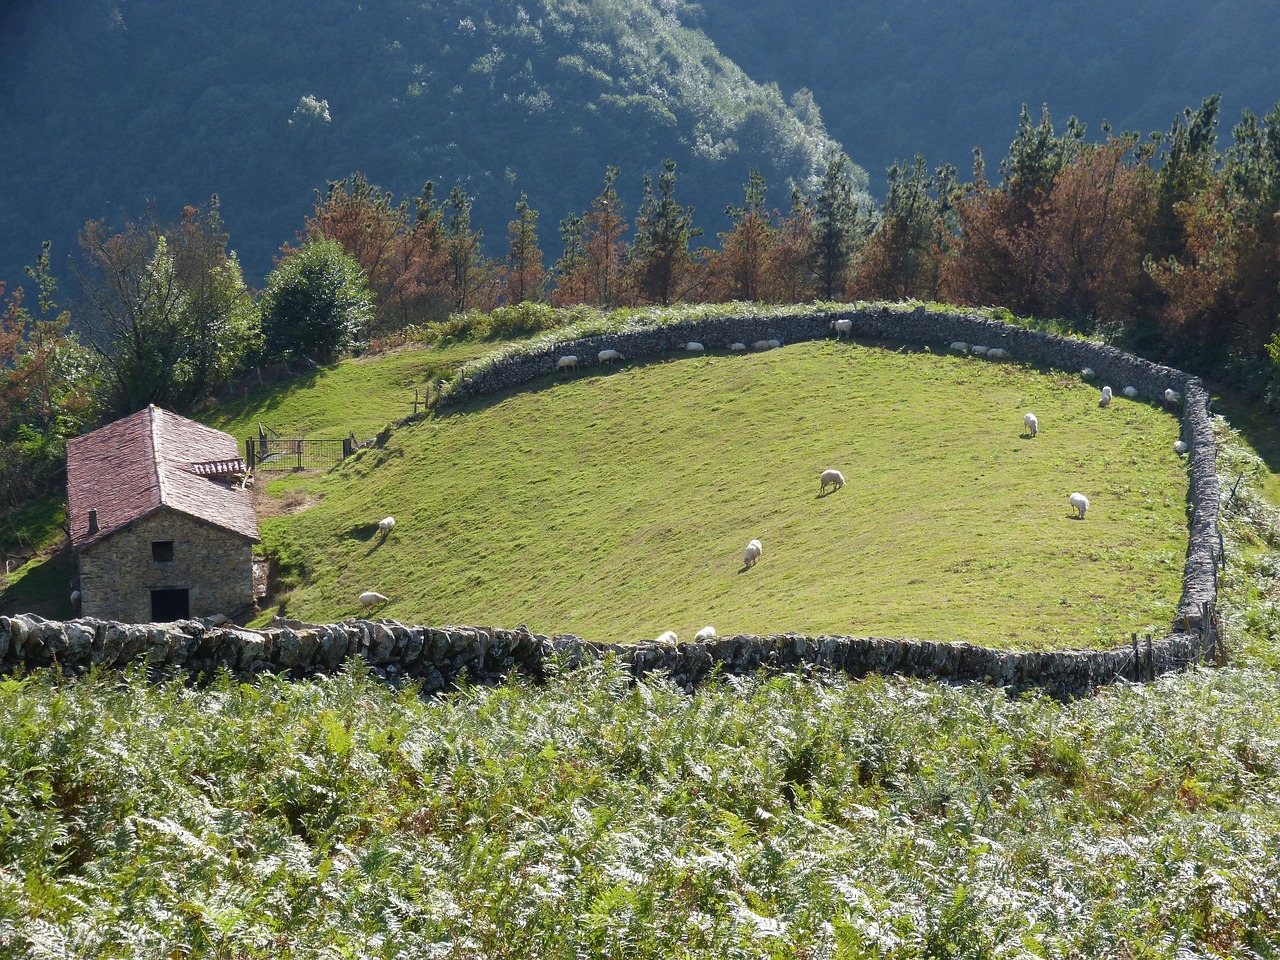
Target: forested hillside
[[899, 77], [107, 106]]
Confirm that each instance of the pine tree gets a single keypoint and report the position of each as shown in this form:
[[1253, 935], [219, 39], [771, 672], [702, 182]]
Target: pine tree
[[524, 276], [661, 265], [740, 268]]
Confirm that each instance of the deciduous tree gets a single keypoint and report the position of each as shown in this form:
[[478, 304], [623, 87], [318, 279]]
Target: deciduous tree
[[739, 269]]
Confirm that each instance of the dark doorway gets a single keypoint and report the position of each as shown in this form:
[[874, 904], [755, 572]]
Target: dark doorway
[[169, 605]]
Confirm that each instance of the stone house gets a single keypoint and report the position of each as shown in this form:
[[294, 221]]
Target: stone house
[[161, 526]]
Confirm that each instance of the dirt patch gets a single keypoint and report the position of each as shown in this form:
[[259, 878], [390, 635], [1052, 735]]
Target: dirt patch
[[285, 505]]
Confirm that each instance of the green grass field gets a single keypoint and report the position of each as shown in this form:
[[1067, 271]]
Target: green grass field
[[618, 506]]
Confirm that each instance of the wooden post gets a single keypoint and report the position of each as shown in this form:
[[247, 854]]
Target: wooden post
[[1151, 659], [1137, 661], [415, 401]]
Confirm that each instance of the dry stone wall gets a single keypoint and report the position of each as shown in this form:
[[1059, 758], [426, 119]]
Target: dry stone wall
[[442, 657]]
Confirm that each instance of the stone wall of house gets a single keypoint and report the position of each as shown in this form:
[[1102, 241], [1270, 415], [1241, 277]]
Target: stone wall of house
[[118, 574]]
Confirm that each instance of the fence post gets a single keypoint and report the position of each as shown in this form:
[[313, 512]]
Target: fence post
[[1137, 661], [248, 452], [1151, 659]]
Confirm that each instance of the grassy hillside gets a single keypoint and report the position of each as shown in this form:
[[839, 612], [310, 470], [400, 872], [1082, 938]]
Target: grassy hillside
[[618, 506]]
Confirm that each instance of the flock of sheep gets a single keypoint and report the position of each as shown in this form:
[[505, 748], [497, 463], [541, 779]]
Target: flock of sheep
[[827, 478]]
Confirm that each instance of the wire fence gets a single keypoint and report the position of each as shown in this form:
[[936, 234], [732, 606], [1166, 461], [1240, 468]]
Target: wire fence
[[286, 453]]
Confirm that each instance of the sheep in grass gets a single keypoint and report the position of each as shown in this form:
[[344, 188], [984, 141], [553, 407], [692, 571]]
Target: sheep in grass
[[667, 637], [766, 345], [959, 346], [979, 350], [692, 346], [830, 478], [842, 328], [1180, 447], [1031, 424], [737, 346], [1171, 397], [385, 526], [1079, 504], [754, 549], [997, 353], [371, 598], [706, 633], [1087, 373], [567, 362], [1130, 392], [609, 356], [1105, 399]]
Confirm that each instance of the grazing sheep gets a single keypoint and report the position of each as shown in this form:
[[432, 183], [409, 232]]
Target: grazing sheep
[[692, 346], [1130, 392], [568, 362], [706, 633], [1032, 424], [385, 525], [1087, 373], [1172, 397], [609, 356], [737, 347], [832, 478], [1079, 503], [754, 549], [997, 353], [1105, 399], [960, 346], [766, 345], [1180, 447], [372, 598], [668, 636], [979, 350], [842, 328]]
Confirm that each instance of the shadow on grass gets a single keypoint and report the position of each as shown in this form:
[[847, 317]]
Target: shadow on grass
[[1258, 425], [42, 586]]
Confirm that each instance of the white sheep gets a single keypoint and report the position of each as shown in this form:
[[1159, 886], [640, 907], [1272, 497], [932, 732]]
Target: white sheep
[[1171, 396], [842, 328], [668, 637], [1087, 373], [609, 356], [978, 350], [692, 346], [1130, 392], [706, 633], [1079, 503], [372, 598], [1105, 399], [385, 525], [833, 478], [567, 362], [737, 346], [766, 345], [1032, 424], [754, 549], [997, 353], [1180, 447], [960, 346]]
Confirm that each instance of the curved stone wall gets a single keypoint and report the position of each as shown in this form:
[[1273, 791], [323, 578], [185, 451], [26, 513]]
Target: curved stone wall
[[441, 657]]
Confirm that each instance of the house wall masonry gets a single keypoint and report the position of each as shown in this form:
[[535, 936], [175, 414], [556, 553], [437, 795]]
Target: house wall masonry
[[441, 657]]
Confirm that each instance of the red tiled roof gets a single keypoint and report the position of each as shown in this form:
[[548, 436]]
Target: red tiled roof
[[129, 469]]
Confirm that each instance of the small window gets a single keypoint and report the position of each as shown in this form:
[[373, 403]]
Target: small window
[[162, 550]]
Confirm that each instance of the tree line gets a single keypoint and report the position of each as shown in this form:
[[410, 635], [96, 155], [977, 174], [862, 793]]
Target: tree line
[[1161, 244]]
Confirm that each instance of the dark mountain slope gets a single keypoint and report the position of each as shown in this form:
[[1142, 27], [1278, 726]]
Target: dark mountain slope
[[938, 77], [108, 105]]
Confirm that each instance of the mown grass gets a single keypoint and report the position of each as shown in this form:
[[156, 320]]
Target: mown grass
[[42, 585], [617, 506]]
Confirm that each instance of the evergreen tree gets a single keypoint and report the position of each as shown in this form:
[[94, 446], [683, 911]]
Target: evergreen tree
[[903, 257], [740, 268], [524, 274], [465, 257], [317, 303], [836, 228], [661, 264]]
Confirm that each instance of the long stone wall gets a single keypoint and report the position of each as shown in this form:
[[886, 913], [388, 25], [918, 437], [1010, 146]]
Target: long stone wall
[[441, 657]]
